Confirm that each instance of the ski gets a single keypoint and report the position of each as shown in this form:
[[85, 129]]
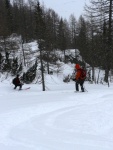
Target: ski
[[80, 91], [25, 88]]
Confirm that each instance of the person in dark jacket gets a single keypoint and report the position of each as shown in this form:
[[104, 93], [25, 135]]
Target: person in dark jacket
[[16, 82], [78, 79]]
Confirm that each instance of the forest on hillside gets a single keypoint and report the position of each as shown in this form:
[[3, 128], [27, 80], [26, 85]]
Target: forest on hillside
[[91, 34]]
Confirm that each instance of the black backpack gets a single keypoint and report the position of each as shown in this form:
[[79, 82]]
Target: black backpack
[[83, 74], [14, 81]]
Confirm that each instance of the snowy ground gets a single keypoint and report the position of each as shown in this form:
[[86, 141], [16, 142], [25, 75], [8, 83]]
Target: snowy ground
[[56, 119]]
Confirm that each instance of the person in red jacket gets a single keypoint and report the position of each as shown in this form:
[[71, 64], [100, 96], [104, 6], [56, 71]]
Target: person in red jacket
[[78, 78], [16, 82]]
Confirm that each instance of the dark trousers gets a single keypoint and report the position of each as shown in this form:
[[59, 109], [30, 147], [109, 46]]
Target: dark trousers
[[79, 82], [20, 85]]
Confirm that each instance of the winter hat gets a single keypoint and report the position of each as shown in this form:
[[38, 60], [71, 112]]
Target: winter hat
[[17, 75], [77, 66]]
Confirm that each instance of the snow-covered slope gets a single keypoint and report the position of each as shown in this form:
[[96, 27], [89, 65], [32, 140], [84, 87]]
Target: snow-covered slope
[[56, 119]]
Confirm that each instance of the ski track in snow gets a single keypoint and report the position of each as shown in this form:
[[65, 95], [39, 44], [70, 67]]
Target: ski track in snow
[[71, 121]]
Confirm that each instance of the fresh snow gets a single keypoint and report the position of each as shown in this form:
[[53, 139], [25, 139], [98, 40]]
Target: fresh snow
[[58, 118]]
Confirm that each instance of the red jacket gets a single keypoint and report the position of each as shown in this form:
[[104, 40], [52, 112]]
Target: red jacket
[[78, 73]]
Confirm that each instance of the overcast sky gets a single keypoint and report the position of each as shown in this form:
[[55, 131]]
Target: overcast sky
[[65, 8]]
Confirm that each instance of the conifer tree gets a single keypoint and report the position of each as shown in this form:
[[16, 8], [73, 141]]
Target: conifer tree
[[40, 36], [101, 12], [9, 19], [61, 37]]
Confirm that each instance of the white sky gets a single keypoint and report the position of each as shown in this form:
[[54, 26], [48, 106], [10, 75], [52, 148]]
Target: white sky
[[65, 8]]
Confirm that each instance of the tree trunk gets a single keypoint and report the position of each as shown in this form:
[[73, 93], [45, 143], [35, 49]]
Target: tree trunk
[[42, 71], [98, 76], [64, 56], [106, 75], [93, 74], [6, 53], [48, 62], [23, 52]]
